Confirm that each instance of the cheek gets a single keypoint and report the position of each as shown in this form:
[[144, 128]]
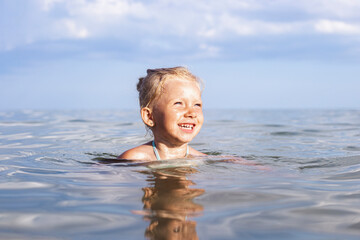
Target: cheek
[[170, 117], [200, 117]]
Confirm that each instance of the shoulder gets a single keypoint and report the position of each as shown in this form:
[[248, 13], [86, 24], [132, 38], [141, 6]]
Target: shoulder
[[142, 152], [195, 152]]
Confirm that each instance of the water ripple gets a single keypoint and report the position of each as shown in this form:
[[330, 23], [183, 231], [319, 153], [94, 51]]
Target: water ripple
[[21, 146], [285, 133], [63, 222], [59, 176], [23, 185]]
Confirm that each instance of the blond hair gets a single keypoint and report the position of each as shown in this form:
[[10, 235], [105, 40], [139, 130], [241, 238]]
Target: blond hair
[[150, 86]]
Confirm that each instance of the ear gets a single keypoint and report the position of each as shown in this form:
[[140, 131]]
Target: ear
[[147, 117]]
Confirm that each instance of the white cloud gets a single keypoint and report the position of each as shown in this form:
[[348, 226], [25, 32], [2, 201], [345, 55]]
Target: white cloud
[[346, 9], [209, 50], [73, 29], [236, 25], [105, 10], [336, 27], [200, 23], [232, 25], [98, 18], [46, 5], [203, 19]]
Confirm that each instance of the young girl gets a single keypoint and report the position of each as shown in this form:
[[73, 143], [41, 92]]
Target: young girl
[[171, 107]]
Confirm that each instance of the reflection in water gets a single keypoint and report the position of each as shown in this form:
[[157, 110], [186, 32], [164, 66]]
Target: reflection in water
[[168, 202]]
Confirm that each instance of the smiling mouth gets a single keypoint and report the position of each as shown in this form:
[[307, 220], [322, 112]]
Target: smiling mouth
[[187, 126]]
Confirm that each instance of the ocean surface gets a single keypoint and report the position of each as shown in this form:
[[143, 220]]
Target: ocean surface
[[59, 177]]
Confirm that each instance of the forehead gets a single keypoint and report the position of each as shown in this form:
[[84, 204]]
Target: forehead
[[174, 87], [180, 84]]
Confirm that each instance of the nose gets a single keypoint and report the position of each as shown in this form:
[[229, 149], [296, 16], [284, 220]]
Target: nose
[[190, 112]]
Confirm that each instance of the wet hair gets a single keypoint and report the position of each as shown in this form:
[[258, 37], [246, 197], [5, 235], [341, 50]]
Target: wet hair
[[150, 86]]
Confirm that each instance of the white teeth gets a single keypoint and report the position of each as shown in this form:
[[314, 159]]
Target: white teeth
[[187, 126]]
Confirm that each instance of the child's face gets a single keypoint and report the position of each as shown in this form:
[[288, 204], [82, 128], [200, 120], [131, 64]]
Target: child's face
[[178, 113]]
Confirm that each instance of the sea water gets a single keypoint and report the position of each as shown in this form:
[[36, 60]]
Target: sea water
[[59, 177]]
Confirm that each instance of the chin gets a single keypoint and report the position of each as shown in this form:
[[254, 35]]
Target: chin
[[186, 139]]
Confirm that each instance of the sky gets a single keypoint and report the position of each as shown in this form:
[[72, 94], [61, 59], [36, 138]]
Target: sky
[[251, 54]]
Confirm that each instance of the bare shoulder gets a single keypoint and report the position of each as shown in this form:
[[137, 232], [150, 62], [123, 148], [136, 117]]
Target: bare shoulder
[[142, 152], [195, 152]]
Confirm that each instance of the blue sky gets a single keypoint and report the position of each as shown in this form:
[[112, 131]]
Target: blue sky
[[88, 54]]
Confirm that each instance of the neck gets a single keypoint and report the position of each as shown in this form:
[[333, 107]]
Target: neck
[[170, 152]]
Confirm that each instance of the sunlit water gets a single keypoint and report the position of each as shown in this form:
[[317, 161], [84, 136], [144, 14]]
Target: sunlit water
[[60, 178]]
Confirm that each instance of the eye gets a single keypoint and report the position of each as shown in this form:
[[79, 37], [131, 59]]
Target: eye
[[198, 105], [177, 103]]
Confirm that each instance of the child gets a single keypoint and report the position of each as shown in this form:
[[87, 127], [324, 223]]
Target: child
[[171, 107]]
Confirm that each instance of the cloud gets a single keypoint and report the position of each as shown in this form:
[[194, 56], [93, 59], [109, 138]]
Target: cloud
[[73, 29], [340, 9], [46, 5], [235, 25], [206, 27], [337, 27]]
